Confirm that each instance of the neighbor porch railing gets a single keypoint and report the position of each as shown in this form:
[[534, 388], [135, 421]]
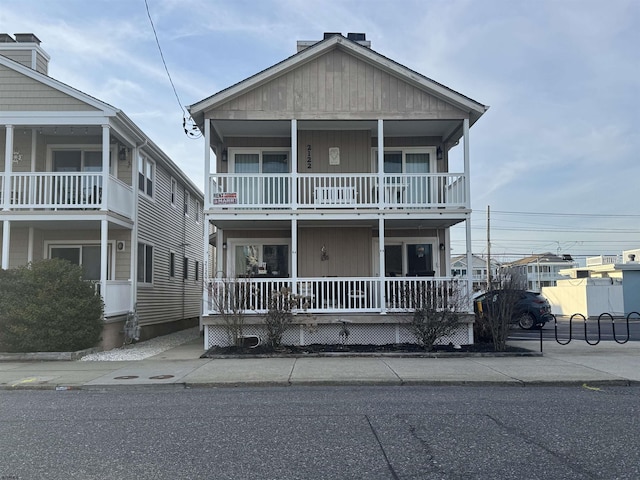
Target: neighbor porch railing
[[69, 191], [337, 295], [320, 191]]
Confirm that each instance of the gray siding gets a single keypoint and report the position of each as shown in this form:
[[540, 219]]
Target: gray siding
[[21, 93], [355, 153], [167, 229], [349, 250]]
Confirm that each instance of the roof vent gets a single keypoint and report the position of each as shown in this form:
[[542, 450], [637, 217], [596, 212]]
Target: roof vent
[[26, 38]]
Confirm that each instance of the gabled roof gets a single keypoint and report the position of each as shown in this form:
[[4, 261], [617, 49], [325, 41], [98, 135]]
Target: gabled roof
[[434, 88], [547, 257], [103, 109]]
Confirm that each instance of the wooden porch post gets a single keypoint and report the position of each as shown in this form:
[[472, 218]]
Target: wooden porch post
[[104, 236], [465, 130], [294, 164], [380, 164], [105, 168], [294, 255], [383, 273], [8, 166]]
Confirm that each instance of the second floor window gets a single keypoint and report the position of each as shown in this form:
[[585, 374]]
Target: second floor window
[[187, 200], [145, 263], [146, 175], [174, 192]]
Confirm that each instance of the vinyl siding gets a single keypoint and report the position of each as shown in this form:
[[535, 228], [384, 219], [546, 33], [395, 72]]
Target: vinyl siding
[[355, 154], [167, 229], [349, 250], [21, 93], [337, 82]]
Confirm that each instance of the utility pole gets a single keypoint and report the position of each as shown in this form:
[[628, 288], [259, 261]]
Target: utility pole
[[488, 247]]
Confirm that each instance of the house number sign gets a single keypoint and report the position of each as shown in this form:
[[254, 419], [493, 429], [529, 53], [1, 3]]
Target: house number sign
[[308, 156]]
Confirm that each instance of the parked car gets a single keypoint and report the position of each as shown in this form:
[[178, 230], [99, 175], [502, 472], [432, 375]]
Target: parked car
[[529, 311]]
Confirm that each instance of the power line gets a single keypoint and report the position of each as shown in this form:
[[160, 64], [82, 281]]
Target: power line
[[192, 131]]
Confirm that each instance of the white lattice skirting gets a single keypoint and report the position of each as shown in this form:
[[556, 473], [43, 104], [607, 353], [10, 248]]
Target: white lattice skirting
[[330, 333]]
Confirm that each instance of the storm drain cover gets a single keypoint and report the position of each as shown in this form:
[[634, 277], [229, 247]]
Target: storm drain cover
[[161, 377], [126, 377]]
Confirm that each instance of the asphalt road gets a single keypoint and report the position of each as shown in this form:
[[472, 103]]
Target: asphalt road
[[322, 433]]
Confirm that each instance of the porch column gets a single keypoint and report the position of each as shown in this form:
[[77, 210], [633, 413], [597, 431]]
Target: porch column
[[133, 264], [465, 131], [6, 233], [380, 163], [294, 255], [8, 165], [106, 155], [220, 252], [207, 168], [104, 235], [30, 246], [383, 273], [294, 164]]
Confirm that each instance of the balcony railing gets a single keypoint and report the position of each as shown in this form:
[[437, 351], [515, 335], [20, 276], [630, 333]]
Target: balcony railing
[[68, 191], [321, 191], [117, 298], [336, 295]]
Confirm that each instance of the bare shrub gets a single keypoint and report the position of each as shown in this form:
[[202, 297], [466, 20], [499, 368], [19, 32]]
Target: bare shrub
[[231, 297], [279, 316], [435, 311]]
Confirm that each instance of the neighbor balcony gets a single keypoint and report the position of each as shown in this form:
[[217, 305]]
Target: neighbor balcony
[[336, 191], [65, 191]]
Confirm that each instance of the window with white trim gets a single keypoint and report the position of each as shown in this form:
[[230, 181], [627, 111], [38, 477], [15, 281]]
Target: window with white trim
[[261, 259], [174, 192], [185, 268], [172, 263], [146, 175], [86, 256], [145, 263], [187, 200], [197, 212]]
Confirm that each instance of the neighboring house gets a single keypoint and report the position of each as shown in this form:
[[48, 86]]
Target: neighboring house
[[538, 271], [606, 284], [80, 181], [331, 177], [478, 271]]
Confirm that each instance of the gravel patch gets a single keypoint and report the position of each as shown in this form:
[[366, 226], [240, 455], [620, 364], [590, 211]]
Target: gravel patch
[[146, 349]]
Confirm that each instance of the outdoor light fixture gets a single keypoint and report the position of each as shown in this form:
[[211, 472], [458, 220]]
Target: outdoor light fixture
[[224, 155], [122, 153], [442, 247], [439, 154], [224, 246]]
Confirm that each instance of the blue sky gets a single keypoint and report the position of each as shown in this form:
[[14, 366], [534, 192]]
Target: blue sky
[[556, 156]]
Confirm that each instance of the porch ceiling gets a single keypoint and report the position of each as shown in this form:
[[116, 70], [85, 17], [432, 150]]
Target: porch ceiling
[[422, 223], [64, 224], [282, 128]]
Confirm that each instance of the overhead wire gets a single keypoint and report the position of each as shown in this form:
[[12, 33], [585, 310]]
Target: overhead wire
[[191, 130]]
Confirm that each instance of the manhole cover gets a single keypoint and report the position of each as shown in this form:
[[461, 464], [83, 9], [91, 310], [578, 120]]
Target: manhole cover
[[160, 377], [126, 377]]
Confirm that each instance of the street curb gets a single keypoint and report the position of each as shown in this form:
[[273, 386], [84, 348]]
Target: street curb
[[47, 356]]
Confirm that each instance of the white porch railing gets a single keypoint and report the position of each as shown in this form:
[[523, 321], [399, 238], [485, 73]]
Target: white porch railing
[[117, 298], [337, 191], [337, 295], [55, 190]]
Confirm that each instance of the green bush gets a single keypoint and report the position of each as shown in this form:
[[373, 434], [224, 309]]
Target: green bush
[[47, 307]]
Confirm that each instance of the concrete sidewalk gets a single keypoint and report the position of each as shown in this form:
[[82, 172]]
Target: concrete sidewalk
[[607, 363]]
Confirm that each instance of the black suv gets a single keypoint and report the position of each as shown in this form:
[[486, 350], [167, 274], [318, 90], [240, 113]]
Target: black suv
[[530, 310]]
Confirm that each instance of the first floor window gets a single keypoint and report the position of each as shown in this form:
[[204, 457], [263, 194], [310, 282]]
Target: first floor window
[[145, 263], [87, 256], [185, 268], [196, 270], [257, 260]]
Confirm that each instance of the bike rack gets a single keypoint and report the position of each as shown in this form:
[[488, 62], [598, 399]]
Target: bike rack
[[586, 338]]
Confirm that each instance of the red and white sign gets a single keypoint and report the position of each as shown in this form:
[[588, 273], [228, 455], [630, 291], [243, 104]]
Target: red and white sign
[[225, 198]]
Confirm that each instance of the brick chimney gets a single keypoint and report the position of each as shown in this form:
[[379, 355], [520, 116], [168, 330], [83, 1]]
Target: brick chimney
[[25, 49]]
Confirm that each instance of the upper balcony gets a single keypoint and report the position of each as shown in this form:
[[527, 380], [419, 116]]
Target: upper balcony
[[77, 191], [336, 191]]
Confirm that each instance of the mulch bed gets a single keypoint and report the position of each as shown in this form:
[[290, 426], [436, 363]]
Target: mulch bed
[[338, 349]]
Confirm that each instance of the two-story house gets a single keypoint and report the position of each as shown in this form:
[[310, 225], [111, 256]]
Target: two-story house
[[80, 181], [538, 271], [479, 270], [331, 177]]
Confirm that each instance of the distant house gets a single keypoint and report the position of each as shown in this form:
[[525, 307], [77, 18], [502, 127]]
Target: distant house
[[606, 284], [80, 181], [478, 270], [331, 178], [538, 271]]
